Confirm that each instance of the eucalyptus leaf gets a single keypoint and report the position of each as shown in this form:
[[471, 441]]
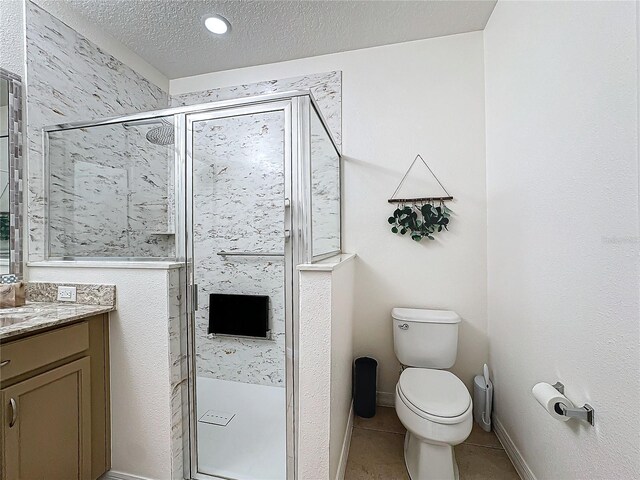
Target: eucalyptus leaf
[[420, 221]]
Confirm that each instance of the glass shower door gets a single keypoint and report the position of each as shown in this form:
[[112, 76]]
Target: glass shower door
[[238, 166]]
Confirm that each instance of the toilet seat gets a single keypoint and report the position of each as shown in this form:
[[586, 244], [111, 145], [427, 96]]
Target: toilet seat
[[435, 395]]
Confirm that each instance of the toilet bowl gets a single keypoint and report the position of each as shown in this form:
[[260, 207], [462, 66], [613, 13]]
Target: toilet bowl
[[436, 409], [433, 404]]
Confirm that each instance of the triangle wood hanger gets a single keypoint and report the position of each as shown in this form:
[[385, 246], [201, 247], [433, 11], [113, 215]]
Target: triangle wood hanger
[[420, 199]]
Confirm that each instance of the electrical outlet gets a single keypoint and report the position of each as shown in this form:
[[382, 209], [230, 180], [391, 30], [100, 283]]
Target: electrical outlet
[[66, 294]]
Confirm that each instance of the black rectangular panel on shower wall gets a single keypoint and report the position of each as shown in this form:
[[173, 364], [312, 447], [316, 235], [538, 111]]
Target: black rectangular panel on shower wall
[[241, 315]]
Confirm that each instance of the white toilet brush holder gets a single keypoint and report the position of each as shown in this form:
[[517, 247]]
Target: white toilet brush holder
[[483, 399]]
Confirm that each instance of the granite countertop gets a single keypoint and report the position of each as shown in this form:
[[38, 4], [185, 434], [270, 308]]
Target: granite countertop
[[34, 316]]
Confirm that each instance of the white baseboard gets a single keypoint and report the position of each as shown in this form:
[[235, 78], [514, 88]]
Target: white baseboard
[[512, 451], [386, 399], [346, 443], [113, 475]]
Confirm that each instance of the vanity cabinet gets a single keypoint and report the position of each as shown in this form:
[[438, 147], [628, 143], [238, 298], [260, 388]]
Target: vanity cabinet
[[45, 431], [55, 399]]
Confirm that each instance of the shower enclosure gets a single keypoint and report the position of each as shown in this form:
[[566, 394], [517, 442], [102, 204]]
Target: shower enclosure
[[241, 191]]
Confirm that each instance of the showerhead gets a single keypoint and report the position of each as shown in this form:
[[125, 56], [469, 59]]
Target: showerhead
[[162, 135]]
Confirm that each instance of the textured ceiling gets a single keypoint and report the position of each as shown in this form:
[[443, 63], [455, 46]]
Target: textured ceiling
[[169, 34]]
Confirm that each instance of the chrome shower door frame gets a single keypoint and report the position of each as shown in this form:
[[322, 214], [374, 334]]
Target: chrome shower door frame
[[291, 224], [298, 106]]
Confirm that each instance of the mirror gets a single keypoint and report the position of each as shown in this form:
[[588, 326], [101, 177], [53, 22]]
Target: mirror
[[4, 175], [10, 173]]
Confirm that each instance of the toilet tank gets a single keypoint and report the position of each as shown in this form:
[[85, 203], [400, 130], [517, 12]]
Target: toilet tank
[[425, 338]]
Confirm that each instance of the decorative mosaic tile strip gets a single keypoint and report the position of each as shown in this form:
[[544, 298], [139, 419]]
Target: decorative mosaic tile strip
[[86, 293], [15, 129]]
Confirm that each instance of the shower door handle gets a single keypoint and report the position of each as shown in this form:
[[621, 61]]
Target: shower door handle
[[195, 297], [287, 222]]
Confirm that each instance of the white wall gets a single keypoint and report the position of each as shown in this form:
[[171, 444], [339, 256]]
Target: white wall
[[325, 355], [314, 383], [563, 244], [12, 36], [342, 285], [399, 100], [139, 349]]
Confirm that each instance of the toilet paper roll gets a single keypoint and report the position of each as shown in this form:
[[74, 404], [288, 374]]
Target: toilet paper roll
[[549, 397]]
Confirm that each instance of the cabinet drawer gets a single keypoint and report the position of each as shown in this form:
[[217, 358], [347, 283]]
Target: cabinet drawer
[[39, 350]]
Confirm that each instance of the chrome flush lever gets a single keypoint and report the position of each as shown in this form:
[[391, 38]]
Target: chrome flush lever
[[404, 326]]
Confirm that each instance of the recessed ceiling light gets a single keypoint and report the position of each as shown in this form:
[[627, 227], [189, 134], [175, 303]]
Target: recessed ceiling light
[[217, 24]]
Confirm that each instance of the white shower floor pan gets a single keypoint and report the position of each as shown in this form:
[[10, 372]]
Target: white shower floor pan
[[252, 446]]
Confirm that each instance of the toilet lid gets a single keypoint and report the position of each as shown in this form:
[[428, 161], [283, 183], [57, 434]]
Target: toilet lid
[[436, 392]]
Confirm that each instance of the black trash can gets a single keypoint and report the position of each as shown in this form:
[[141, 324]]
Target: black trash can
[[364, 386]]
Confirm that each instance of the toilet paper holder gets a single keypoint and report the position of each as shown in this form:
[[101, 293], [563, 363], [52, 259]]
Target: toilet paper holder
[[585, 412]]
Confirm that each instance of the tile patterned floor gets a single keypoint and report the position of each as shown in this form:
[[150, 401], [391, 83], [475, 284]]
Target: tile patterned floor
[[377, 452]]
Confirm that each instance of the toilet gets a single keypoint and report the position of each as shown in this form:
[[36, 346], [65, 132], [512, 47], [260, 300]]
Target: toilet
[[433, 404]]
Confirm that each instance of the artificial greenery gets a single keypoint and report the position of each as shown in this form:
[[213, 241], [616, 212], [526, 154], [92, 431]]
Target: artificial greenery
[[420, 221]]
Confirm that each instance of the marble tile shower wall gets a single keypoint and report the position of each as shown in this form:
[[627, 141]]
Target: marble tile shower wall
[[178, 368], [326, 89], [239, 205], [71, 79], [115, 171], [325, 191], [236, 359]]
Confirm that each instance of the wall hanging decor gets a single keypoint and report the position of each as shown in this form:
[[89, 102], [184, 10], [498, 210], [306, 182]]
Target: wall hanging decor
[[422, 216]]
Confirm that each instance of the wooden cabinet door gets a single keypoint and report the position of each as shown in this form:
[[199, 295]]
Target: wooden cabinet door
[[46, 425]]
